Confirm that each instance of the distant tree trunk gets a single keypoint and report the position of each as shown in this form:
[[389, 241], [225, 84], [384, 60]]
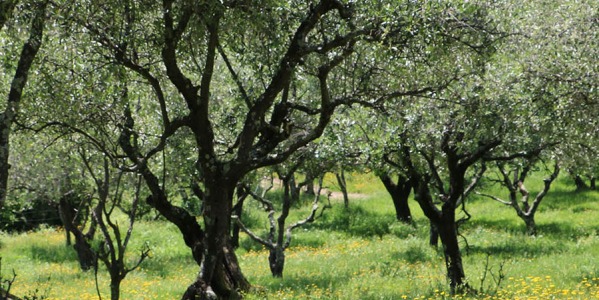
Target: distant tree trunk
[[294, 189], [433, 235], [28, 53], [580, 184], [593, 186], [279, 236], [276, 261], [343, 187], [524, 209], [85, 254], [237, 211], [531, 226], [309, 184], [68, 237], [400, 193], [443, 218], [443, 223]]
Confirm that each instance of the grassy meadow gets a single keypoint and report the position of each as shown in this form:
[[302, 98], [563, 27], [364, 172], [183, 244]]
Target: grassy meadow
[[362, 255]]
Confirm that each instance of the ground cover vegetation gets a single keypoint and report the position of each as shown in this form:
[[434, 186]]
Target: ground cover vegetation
[[331, 260], [194, 150]]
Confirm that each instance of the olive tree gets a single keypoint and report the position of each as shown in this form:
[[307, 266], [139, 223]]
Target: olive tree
[[278, 238], [243, 87], [305, 44]]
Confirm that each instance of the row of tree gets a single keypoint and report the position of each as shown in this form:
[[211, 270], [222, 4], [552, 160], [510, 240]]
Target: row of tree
[[134, 105]]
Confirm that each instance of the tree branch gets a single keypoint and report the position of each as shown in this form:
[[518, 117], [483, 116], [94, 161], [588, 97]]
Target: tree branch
[[169, 56], [494, 198], [252, 235], [308, 219], [473, 183], [234, 75], [547, 184]]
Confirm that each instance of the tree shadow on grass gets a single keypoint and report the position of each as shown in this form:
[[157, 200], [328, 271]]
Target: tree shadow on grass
[[165, 266], [511, 249], [355, 221], [415, 254], [566, 199], [52, 253], [565, 231], [554, 230]]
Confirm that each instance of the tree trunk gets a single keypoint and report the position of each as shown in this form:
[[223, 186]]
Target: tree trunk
[[227, 281], [276, 261], [531, 226], [343, 187], [400, 193], [294, 190], [28, 53], [580, 185], [85, 254], [310, 186], [220, 275], [451, 249], [237, 211], [593, 186], [115, 288], [433, 235]]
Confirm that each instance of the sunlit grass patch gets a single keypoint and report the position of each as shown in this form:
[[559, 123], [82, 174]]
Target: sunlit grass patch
[[331, 259]]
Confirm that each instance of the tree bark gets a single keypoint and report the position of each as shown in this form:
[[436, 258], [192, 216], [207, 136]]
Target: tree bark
[[87, 257], [115, 288], [85, 254], [451, 249], [343, 187], [28, 53], [276, 260], [443, 223], [580, 184], [294, 190], [433, 235], [400, 192], [531, 226], [220, 273], [309, 184], [237, 211], [227, 280]]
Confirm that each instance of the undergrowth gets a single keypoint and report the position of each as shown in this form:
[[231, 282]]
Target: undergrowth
[[359, 252]]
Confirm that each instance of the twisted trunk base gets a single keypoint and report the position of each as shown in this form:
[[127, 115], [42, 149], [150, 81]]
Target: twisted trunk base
[[228, 282]]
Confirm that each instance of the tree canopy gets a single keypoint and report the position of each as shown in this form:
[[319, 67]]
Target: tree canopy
[[196, 96]]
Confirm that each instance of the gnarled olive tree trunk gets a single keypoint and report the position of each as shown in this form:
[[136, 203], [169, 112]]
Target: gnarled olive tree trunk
[[220, 269]]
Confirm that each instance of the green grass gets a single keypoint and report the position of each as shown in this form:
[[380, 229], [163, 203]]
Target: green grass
[[366, 255]]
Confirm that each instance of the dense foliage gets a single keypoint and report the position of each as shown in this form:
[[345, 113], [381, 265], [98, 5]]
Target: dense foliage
[[179, 110]]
